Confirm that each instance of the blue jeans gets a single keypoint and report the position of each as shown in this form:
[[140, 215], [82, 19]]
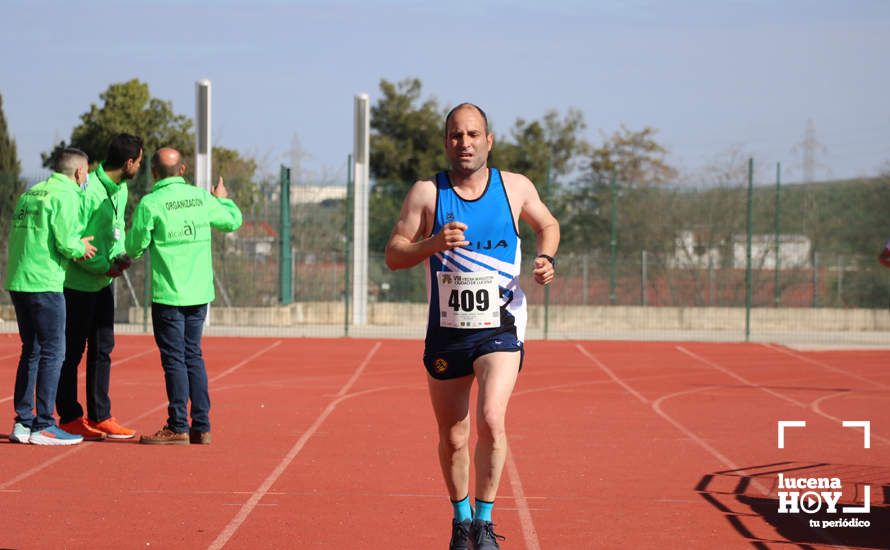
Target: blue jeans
[[41, 320], [178, 335]]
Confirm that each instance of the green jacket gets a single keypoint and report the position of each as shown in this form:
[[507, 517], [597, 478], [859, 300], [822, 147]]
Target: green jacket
[[174, 221], [102, 214], [45, 235]]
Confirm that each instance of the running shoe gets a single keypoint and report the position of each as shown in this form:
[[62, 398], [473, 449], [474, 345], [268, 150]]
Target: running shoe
[[79, 426], [460, 535], [112, 429], [483, 535], [20, 433], [165, 436], [54, 435], [199, 438]]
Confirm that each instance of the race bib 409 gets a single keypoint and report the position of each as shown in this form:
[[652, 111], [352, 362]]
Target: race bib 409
[[469, 300]]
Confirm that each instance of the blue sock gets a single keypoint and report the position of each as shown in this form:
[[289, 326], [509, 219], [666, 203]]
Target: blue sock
[[462, 509], [483, 510]]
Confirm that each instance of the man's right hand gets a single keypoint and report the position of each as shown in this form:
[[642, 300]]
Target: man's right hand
[[90, 250], [219, 190], [451, 236]]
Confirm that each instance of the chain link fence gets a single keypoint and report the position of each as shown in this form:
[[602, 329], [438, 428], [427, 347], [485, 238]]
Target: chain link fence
[[638, 261]]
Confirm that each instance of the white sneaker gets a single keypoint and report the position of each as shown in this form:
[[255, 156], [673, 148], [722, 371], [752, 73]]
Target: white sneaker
[[20, 433], [54, 435]]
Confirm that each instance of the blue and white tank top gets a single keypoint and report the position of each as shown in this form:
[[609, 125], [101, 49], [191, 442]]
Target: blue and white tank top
[[494, 247]]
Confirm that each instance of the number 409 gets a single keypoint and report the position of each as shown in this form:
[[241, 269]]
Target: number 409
[[466, 300]]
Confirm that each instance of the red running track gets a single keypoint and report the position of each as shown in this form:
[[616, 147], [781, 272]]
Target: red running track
[[331, 444]]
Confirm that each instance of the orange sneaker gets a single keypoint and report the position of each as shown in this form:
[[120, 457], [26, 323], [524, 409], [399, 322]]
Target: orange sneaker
[[79, 426], [112, 429]]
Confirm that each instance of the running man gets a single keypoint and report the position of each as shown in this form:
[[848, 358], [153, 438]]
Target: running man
[[174, 222], [89, 298], [45, 236], [464, 224]]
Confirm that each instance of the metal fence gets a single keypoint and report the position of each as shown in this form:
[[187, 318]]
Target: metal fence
[[639, 261]]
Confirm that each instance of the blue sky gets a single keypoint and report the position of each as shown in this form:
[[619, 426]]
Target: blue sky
[[710, 76]]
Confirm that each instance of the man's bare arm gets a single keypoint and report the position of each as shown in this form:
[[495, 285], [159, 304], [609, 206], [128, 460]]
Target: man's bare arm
[[535, 213], [407, 247]]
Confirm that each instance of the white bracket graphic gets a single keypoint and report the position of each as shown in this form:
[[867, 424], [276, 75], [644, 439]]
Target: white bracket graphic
[[866, 430], [866, 503], [788, 424]]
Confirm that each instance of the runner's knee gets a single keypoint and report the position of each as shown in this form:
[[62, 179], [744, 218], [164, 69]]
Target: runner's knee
[[455, 437], [491, 424]]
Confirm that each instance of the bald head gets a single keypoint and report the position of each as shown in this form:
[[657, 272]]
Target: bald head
[[167, 163], [469, 106]]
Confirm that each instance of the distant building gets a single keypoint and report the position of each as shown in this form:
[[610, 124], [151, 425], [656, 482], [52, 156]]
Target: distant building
[[794, 251], [314, 194], [691, 253], [254, 239]]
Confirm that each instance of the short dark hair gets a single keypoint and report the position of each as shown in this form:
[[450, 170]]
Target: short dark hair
[[69, 159], [461, 106], [123, 147]]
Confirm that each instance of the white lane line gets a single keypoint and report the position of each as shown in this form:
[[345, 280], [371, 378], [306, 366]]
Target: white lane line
[[612, 375], [83, 373], [263, 489], [845, 372], [740, 378], [80, 447], [525, 515], [656, 406], [817, 408]]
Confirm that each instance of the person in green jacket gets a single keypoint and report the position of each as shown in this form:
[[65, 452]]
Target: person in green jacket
[[89, 298], [45, 235], [173, 221]]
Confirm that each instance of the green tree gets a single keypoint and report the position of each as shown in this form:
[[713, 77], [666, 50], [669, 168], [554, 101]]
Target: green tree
[[239, 174], [639, 163], [129, 107], [537, 145], [406, 145], [636, 157], [406, 137], [10, 170], [10, 182]]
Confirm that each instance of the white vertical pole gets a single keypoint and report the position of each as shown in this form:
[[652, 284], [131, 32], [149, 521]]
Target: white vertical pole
[[202, 134], [360, 148], [203, 149]]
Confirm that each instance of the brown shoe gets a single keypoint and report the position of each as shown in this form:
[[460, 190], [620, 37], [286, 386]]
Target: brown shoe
[[165, 436], [199, 438]]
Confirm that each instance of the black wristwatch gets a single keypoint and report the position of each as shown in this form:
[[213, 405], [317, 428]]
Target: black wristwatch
[[550, 259]]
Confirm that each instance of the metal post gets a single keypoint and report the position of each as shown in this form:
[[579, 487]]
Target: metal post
[[712, 286], [285, 280], [203, 147], [361, 169], [547, 287], [643, 278], [840, 280], [748, 250], [776, 290], [815, 279], [347, 252], [584, 277], [146, 290], [613, 241]]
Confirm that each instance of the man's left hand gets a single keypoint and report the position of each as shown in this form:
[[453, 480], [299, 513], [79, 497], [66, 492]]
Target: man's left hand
[[544, 271]]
